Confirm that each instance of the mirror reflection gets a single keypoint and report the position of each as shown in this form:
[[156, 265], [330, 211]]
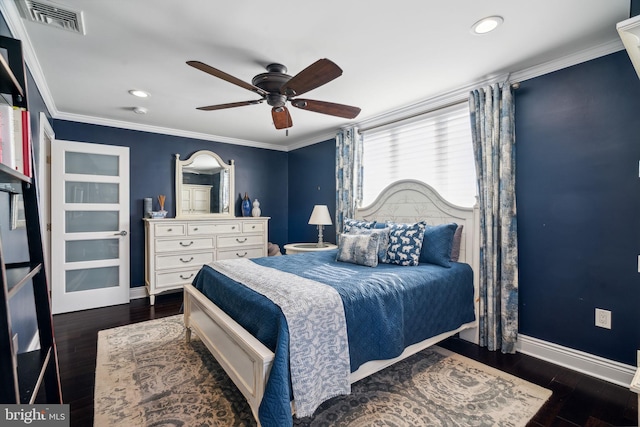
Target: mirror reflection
[[204, 185]]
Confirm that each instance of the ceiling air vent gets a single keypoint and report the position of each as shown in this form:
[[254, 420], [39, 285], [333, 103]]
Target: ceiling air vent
[[51, 14]]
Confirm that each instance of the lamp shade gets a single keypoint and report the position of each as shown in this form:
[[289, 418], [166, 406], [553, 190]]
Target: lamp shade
[[320, 215]]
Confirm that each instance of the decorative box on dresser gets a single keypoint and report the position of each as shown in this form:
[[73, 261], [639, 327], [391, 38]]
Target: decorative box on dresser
[[175, 249]]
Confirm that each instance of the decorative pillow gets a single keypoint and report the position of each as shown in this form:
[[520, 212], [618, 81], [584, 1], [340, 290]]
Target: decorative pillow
[[383, 240], [350, 223], [359, 249], [405, 243], [436, 245], [455, 246]]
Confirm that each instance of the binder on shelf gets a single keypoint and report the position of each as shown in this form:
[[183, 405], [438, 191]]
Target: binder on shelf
[[26, 143], [7, 135], [17, 139]]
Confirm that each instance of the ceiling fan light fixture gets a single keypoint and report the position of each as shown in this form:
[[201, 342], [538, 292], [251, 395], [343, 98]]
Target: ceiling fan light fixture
[[139, 93], [486, 25], [276, 88]]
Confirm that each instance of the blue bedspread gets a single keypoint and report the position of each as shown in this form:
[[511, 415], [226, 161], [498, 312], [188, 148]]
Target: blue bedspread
[[387, 308]]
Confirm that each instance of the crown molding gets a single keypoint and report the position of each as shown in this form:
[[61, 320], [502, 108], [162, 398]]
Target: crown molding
[[166, 131], [313, 139], [612, 46]]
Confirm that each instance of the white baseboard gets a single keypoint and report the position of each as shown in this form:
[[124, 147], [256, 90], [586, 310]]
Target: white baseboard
[[138, 292], [589, 364]]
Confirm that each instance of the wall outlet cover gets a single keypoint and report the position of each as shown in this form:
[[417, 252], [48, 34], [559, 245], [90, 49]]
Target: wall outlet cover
[[603, 318]]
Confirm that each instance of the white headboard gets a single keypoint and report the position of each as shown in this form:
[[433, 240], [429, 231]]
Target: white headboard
[[409, 201]]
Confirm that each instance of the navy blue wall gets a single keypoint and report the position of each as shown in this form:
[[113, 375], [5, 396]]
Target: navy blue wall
[[578, 195], [259, 172], [312, 181]]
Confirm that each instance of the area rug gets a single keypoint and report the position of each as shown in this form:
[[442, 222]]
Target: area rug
[[146, 375]]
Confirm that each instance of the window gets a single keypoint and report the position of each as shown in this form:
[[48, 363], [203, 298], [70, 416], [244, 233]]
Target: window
[[435, 148]]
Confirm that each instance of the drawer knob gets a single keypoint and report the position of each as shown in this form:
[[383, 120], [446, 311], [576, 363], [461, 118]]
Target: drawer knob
[[186, 278], [169, 229], [233, 227], [253, 226], [186, 244], [241, 241], [241, 256], [195, 228], [186, 261]]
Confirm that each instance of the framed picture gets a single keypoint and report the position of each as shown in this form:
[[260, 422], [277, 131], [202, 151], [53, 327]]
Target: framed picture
[[17, 212]]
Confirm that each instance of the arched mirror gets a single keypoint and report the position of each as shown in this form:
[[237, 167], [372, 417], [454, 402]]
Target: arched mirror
[[204, 186]]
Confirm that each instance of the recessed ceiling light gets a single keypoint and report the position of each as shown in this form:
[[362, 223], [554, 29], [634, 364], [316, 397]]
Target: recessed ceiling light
[[486, 25], [140, 110], [139, 93]]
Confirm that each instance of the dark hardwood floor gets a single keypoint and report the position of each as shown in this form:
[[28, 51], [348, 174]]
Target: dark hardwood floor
[[577, 400]]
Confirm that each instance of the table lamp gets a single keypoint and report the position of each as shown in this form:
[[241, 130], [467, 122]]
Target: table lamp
[[320, 217]]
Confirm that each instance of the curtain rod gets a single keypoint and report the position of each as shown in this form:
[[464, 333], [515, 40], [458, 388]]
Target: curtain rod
[[515, 85]]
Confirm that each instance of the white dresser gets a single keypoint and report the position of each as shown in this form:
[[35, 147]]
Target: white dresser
[[176, 249]]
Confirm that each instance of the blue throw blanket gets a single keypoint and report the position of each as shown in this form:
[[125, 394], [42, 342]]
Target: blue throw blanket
[[387, 308]]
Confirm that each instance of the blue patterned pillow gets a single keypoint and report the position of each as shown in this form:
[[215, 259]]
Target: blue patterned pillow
[[351, 223], [405, 243], [437, 243], [359, 249], [383, 240]]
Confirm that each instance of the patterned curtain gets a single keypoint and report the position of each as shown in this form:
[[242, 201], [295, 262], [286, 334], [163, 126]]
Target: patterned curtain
[[348, 175], [492, 127]]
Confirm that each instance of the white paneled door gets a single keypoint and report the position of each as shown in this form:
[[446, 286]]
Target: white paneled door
[[89, 225]]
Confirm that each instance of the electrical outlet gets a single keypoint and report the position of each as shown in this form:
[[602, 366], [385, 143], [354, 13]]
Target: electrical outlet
[[603, 318]]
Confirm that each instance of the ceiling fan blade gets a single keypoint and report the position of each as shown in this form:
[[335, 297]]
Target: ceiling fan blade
[[281, 117], [226, 77], [315, 75], [229, 105], [330, 108]]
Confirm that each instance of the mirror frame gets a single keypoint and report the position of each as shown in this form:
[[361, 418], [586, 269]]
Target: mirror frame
[[180, 164]]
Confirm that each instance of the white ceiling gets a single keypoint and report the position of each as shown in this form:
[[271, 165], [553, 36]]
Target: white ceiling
[[394, 55]]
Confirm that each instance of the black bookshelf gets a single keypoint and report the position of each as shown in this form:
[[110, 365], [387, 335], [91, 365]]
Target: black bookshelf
[[27, 375]]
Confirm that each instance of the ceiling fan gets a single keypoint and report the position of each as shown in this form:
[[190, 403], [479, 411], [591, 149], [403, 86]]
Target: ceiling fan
[[276, 87]]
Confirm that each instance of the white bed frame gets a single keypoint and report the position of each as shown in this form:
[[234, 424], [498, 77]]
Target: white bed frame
[[247, 361]]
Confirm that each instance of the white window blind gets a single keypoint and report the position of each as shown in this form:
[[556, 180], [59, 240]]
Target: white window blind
[[435, 148]]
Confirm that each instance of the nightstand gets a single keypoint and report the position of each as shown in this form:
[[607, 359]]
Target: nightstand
[[298, 248]]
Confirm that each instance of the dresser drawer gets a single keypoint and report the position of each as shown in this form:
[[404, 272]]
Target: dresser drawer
[[252, 227], [188, 244], [165, 262], [175, 279], [240, 240], [168, 230], [197, 229], [240, 253]]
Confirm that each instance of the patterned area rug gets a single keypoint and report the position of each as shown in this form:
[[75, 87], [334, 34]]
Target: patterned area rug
[[147, 375]]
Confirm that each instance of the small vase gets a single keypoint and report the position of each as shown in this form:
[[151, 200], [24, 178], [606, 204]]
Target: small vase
[[246, 205], [256, 208]]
